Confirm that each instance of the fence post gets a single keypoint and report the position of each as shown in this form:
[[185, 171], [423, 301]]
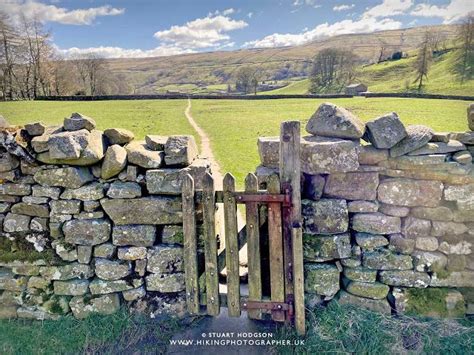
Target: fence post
[[290, 173], [190, 245]]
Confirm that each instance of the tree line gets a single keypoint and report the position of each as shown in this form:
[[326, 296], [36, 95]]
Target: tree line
[[30, 66]]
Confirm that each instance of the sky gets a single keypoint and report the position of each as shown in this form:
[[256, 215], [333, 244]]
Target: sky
[[146, 28]]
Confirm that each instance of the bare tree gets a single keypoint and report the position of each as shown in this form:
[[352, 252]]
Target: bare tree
[[423, 60], [332, 69], [464, 66], [39, 52], [90, 68], [383, 50], [8, 46]]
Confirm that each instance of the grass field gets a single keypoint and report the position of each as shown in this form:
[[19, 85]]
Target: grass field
[[398, 76], [141, 117], [234, 126]]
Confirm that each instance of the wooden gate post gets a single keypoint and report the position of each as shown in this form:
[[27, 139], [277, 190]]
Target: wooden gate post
[[290, 175], [190, 246]]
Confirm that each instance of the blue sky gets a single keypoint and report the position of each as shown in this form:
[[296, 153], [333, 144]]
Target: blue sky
[[141, 28]]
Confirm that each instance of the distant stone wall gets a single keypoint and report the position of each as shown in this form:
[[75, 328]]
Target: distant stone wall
[[91, 220], [388, 224]]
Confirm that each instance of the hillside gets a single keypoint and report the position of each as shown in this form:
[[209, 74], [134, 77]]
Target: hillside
[[398, 76], [150, 75]]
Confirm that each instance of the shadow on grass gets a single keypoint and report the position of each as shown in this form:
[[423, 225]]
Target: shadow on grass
[[347, 329], [112, 334]]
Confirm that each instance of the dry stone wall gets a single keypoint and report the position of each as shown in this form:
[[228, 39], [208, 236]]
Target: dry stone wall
[[91, 220], [388, 213]]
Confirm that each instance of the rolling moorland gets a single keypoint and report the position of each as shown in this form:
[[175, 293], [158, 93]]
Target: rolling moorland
[[212, 71]]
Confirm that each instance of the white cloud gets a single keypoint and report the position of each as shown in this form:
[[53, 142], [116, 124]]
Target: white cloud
[[313, 3], [450, 13], [204, 32], [117, 52], [326, 30], [389, 8], [228, 11], [343, 7], [51, 13], [207, 32], [250, 14]]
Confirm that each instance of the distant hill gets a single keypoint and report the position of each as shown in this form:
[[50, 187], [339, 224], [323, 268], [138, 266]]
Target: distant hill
[[151, 75], [398, 76]]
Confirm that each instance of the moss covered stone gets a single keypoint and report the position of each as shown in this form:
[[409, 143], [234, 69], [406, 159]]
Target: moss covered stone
[[405, 278], [326, 247], [386, 260], [435, 302], [322, 279], [360, 274], [374, 290]]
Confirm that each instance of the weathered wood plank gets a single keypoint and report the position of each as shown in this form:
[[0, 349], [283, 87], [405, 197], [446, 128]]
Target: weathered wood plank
[[210, 246], [231, 246], [190, 245], [297, 236], [277, 279], [290, 172], [253, 247]]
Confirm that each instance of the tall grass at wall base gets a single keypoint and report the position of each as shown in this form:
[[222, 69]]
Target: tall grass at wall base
[[112, 334], [347, 329]]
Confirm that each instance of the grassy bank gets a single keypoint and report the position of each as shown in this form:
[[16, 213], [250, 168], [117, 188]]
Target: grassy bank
[[398, 76]]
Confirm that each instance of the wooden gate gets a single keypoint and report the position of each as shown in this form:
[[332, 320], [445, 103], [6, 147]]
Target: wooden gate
[[278, 209]]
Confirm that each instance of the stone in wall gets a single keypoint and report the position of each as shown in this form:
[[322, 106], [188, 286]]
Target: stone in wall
[[352, 186], [332, 121], [146, 210], [417, 136], [324, 155], [385, 131], [380, 306], [411, 193], [180, 150], [106, 304], [134, 235], [320, 248], [114, 162], [326, 216], [119, 136], [87, 232], [139, 154], [375, 223], [69, 177], [322, 279]]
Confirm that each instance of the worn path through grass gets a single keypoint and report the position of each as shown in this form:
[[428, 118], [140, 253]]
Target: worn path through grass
[[234, 125]]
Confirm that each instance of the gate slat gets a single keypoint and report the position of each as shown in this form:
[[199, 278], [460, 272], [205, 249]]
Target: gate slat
[[231, 247], [290, 172], [277, 280], [253, 247], [210, 246], [190, 245]]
